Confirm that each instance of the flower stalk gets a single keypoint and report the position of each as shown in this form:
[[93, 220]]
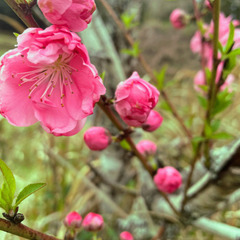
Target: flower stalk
[[23, 11]]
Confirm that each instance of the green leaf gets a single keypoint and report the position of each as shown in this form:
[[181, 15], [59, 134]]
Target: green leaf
[[3, 203], [8, 179], [134, 52], [208, 130], [222, 135], [215, 124], [160, 77], [16, 34], [102, 75], [220, 47], [234, 52], [202, 101], [127, 20], [223, 100], [27, 191], [124, 144], [230, 40]]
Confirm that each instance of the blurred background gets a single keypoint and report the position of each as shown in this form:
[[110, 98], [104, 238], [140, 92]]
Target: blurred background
[[62, 162]]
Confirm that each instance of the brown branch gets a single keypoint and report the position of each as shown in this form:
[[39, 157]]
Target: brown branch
[[114, 185], [25, 16], [160, 233], [23, 231], [145, 65], [108, 111]]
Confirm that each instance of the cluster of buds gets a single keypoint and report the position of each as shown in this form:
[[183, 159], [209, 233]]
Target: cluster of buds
[[92, 222]]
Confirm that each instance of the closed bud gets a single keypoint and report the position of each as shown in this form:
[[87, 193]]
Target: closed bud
[[97, 138], [93, 222], [135, 98], [168, 179], [153, 122], [73, 220], [126, 236], [178, 18], [147, 148]]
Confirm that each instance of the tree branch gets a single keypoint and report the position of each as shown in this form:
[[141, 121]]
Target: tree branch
[[23, 231], [145, 65]]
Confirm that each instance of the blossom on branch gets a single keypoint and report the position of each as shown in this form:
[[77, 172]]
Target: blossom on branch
[[93, 222], [126, 236], [135, 98], [74, 14], [49, 78], [168, 179], [97, 138], [73, 220], [178, 18]]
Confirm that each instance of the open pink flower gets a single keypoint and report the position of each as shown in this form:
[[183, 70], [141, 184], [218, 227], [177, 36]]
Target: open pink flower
[[73, 220], [93, 222], [49, 78], [178, 18], [74, 14], [168, 179], [135, 98], [97, 138], [126, 236]]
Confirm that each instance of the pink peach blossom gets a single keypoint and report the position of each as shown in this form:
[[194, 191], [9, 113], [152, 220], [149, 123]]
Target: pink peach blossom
[[49, 78], [126, 236], [74, 14], [178, 18], [168, 179], [199, 79], [97, 138], [146, 147], [135, 98], [73, 220], [153, 122], [93, 222]]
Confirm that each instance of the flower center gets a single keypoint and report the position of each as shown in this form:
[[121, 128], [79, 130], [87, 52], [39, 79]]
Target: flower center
[[57, 73]]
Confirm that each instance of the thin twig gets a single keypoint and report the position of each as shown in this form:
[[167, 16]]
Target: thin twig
[[160, 233], [108, 111], [23, 231], [212, 87], [114, 185], [145, 65], [25, 16]]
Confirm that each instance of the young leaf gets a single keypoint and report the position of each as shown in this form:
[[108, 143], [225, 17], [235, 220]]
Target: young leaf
[[230, 40], [160, 77], [27, 191], [3, 203], [202, 101], [215, 124], [8, 179], [134, 52], [221, 135], [124, 144]]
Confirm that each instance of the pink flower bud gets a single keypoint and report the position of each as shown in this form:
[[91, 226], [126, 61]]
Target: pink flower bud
[[208, 4], [73, 220], [146, 147], [74, 14], [93, 222], [168, 179], [178, 18], [126, 236], [135, 98], [153, 122], [97, 138]]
